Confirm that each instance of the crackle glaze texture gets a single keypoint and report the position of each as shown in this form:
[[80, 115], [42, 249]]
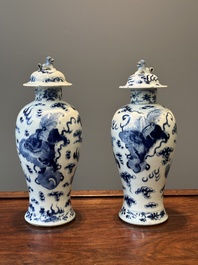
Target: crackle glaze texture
[[143, 139]]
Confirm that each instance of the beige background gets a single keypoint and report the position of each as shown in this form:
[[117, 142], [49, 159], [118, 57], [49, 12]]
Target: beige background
[[96, 44]]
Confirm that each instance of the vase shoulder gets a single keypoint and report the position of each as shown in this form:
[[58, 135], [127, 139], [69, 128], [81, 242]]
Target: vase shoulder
[[142, 110]]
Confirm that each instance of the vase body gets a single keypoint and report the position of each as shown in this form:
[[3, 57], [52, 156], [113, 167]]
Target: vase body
[[143, 140], [48, 139]]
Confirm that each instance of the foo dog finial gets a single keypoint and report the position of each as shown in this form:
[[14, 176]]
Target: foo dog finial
[[143, 78], [142, 67], [48, 65], [49, 61]]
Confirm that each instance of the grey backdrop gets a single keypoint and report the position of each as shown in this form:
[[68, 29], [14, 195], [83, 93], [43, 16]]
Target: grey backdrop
[[96, 44]]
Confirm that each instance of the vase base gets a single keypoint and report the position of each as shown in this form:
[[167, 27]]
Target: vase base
[[143, 218], [49, 221]]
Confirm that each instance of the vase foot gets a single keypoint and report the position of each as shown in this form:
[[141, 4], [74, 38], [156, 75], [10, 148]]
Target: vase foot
[[49, 220], [143, 218]]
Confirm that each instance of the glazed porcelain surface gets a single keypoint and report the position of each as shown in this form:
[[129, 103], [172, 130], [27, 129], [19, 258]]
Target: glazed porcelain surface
[[143, 140], [48, 140]]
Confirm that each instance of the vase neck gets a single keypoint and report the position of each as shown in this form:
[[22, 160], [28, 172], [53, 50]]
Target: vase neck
[[147, 96], [48, 93]]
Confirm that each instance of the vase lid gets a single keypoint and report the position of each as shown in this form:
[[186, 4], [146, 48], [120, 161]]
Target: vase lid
[[143, 78], [47, 76]]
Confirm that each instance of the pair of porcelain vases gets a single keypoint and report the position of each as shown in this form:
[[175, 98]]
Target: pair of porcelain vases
[[49, 136]]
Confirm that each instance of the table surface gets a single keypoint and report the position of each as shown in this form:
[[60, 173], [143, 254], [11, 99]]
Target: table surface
[[97, 235]]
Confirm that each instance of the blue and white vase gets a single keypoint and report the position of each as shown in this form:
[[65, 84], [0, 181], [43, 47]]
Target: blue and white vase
[[143, 139], [48, 139]]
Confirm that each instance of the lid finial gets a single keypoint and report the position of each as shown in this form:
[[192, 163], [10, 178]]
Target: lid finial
[[47, 76], [143, 78]]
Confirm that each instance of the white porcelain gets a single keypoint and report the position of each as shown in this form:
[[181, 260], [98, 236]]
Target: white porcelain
[[143, 140], [48, 140], [47, 76]]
